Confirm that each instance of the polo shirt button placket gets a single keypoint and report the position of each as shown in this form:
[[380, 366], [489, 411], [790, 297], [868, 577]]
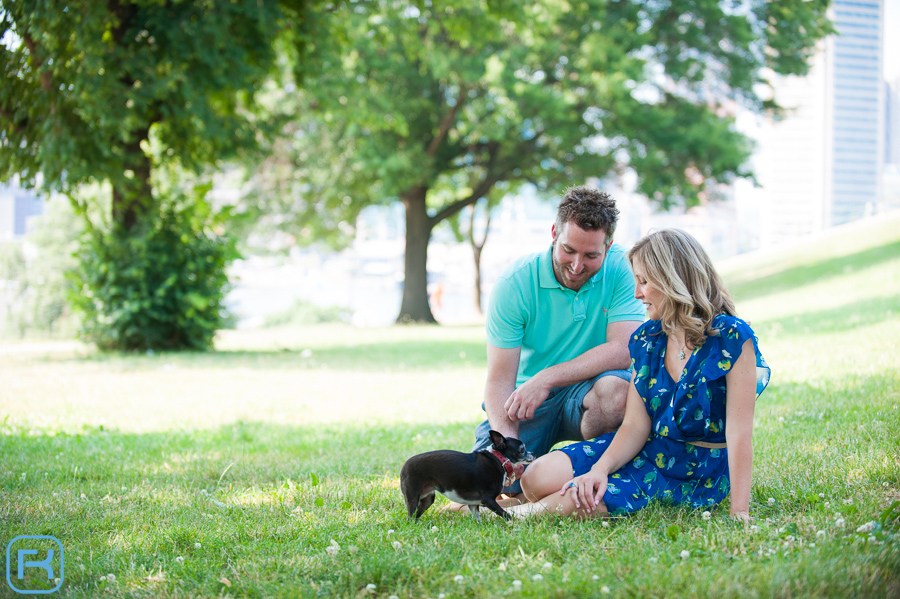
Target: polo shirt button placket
[[578, 308]]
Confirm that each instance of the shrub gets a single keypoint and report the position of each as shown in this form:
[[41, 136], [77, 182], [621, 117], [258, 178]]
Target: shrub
[[159, 286]]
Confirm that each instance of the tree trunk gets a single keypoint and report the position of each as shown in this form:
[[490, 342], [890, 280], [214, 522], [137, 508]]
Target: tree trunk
[[477, 248], [414, 307], [477, 255], [133, 196]]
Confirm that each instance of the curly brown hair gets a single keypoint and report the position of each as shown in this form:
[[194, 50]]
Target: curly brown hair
[[590, 209]]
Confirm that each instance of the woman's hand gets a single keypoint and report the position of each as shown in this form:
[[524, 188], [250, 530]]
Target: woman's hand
[[587, 490]]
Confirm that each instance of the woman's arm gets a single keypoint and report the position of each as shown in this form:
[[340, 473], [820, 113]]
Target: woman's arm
[[629, 440], [740, 403]]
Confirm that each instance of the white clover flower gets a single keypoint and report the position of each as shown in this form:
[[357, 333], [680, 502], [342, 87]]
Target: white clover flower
[[390, 531], [595, 577], [111, 577], [707, 515], [839, 522], [435, 529], [103, 579], [393, 597], [754, 528], [867, 527], [685, 554], [653, 560], [605, 524], [605, 590], [179, 560], [517, 584], [771, 501], [827, 505], [547, 565], [352, 548], [459, 578], [502, 567], [198, 546], [371, 588], [848, 501], [820, 534], [537, 578], [821, 495], [83, 496], [396, 545], [873, 539], [333, 548]]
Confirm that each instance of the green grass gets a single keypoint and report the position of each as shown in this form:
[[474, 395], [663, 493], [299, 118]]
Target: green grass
[[286, 440]]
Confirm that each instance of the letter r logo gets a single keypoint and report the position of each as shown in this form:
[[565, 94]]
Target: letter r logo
[[34, 576]]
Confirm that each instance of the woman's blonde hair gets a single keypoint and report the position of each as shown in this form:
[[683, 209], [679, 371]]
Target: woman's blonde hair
[[676, 264]]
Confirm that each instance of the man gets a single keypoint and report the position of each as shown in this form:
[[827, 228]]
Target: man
[[558, 326]]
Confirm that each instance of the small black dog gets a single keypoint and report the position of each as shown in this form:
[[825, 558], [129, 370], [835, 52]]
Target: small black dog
[[474, 479]]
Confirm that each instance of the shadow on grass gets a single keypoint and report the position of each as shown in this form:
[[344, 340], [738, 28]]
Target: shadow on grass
[[373, 357], [814, 273]]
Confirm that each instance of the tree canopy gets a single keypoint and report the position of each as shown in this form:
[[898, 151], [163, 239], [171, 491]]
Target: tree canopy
[[434, 104], [105, 91]]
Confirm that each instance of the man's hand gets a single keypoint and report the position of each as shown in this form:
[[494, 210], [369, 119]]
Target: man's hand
[[523, 402]]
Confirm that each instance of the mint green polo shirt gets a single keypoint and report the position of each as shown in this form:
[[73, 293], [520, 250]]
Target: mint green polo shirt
[[552, 324]]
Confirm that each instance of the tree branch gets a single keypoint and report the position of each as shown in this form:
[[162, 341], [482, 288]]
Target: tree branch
[[46, 76], [447, 121]]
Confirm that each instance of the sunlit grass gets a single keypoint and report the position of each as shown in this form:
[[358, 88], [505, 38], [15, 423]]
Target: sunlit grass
[[232, 473]]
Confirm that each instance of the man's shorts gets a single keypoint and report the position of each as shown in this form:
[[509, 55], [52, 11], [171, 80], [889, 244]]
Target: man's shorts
[[557, 419]]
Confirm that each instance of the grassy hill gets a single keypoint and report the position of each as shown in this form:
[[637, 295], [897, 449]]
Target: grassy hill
[[232, 473]]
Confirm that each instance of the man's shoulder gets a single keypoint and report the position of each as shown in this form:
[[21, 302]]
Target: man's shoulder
[[524, 267], [617, 255]]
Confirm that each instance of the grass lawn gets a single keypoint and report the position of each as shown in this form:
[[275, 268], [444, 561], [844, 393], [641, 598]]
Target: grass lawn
[[270, 467]]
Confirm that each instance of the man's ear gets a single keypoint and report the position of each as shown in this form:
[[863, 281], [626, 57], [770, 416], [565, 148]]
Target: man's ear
[[553, 232]]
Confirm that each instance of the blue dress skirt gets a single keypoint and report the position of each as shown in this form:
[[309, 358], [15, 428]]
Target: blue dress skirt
[[690, 409]]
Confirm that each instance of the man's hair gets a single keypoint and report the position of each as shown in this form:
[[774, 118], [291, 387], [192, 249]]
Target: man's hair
[[676, 264], [590, 209]]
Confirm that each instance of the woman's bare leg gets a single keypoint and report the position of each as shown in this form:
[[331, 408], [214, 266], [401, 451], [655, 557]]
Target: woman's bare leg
[[541, 485]]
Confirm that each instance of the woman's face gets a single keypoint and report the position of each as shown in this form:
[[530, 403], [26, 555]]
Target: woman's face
[[644, 290]]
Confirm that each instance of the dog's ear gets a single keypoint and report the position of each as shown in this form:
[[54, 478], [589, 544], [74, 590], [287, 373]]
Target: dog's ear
[[498, 440]]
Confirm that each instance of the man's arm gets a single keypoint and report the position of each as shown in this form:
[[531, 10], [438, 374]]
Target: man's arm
[[503, 367], [612, 355]]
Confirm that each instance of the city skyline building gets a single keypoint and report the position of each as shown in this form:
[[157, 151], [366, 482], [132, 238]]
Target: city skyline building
[[820, 163]]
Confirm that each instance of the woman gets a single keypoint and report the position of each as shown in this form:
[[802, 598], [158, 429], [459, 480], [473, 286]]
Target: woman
[[697, 374]]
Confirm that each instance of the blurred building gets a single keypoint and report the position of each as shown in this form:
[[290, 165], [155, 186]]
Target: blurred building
[[820, 164], [17, 207]]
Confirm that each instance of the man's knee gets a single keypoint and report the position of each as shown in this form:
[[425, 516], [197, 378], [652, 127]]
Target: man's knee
[[606, 402]]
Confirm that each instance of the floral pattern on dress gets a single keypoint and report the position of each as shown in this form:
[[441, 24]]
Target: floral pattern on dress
[[689, 409]]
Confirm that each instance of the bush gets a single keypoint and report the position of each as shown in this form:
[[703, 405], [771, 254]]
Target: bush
[[160, 285]]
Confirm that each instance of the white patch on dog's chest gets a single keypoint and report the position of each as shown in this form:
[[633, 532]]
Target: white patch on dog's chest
[[452, 496]]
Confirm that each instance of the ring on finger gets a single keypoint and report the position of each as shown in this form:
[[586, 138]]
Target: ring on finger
[[572, 484]]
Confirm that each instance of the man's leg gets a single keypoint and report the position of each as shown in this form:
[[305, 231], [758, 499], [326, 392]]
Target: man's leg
[[604, 405]]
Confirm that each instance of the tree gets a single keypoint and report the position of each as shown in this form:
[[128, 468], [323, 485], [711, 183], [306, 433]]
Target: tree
[[438, 102], [110, 92]]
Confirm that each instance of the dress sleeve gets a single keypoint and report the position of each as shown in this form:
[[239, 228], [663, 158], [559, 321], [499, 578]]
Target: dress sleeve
[[733, 333]]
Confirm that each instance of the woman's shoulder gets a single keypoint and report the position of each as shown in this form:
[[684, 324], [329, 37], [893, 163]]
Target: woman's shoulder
[[732, 328], [648, 329]]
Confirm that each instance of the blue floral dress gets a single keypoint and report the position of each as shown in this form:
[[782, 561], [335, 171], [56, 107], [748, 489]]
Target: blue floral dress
[[690, 409]]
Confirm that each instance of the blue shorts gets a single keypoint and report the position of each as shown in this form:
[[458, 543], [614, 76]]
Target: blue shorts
[[557, 419]]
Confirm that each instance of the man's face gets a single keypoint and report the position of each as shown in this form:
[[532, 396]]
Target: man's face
[[577, 254]]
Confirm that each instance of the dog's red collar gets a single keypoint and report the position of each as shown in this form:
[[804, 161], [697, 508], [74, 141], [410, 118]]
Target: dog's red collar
[[510, 476]]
